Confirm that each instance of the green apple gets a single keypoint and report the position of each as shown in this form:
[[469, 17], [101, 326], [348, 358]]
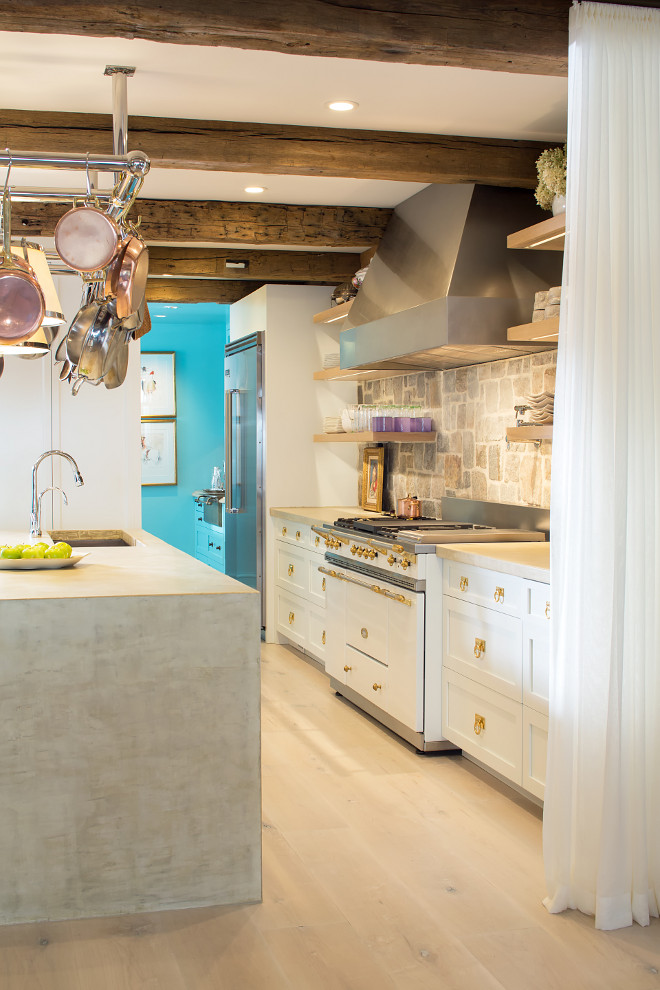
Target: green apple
[[59, 550], [11, 553], [35, 551]]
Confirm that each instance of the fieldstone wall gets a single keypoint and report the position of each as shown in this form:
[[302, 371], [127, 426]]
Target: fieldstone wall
[[471, 409]]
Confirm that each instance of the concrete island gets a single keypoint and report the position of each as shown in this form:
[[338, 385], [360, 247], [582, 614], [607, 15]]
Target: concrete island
[[129, 735]]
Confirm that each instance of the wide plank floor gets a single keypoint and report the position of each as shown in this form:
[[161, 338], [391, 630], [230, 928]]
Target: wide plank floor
[[383, 870]]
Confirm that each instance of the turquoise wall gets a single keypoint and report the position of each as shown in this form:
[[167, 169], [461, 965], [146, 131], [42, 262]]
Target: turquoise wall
[[197, 334]]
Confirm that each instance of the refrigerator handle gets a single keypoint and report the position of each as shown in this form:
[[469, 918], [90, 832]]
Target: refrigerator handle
[[229, 453]]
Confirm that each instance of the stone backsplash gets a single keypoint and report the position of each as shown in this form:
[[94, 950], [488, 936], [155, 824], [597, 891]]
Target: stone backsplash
[[471, 409]]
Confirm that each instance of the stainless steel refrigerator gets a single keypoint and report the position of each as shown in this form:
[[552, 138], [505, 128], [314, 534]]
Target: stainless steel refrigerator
[[244, 499]]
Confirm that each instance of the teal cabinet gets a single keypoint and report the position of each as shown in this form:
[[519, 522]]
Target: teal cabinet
[[209, 541]]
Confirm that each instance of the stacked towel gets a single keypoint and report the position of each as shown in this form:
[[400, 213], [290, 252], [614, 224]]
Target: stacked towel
[[332, 424], [540, 408], [546, 304]]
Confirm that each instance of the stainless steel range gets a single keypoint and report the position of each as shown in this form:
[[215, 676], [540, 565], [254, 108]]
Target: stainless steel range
[[380, 571]]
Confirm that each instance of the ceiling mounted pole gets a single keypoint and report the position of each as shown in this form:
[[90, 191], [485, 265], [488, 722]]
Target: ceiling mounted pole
[[120, 74]]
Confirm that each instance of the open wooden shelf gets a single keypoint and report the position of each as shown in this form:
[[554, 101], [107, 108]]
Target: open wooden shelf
[[541, 332], [335, 313], [354, 375], [529, 434], [371, 437], [548, 235]]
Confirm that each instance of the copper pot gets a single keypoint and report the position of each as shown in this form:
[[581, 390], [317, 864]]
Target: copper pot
[[409, 507]]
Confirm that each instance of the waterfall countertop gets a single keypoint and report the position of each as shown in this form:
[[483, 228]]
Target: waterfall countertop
[[147, 567]]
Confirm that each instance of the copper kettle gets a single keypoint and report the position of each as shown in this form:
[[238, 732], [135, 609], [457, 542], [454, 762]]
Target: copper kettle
[[409, 507]]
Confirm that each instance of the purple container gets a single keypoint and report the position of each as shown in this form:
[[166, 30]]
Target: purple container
[[427, 424], [388, 424], [378, 424], [404, 424], [416, 424]]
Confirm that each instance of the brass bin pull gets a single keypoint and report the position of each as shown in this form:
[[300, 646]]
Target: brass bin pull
[[298, 534], [499, 594], [479, 647], [317, 540], [283, 530], [291, 618], [479, 724], [463, 583], [290, 569], [547, 610]]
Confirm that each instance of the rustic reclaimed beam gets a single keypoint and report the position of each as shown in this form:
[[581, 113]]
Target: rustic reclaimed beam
[[530, 36], [257, 224], [195, 290], [321, 268], [278, 149]]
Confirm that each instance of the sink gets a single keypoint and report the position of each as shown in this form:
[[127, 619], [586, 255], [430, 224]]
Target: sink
[[92, 537]]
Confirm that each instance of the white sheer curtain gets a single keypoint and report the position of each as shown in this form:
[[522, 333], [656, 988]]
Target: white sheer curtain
[[602, 808]]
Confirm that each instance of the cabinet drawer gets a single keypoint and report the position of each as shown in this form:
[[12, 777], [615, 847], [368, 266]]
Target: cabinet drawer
[[502, 592], [537, 600], [316, 582], [535, 751], [369, 677], [536, 663], [293, 532], [484, 645], [291, 568], [292, 618], [318, 633], [367, 622], [468, 707]]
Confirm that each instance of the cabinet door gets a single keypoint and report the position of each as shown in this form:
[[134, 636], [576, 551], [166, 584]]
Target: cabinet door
[[484, 723], [368, 677], [484, 645], [536, 663], [317, 582], [335, 627], [318, 633], [292, 617], [535, 751], [367, 622]]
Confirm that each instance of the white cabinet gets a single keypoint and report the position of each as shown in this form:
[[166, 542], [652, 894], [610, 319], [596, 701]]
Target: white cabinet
[[300, 588], [496, 670]]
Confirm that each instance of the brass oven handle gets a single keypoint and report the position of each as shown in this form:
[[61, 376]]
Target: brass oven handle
[[371, 587]]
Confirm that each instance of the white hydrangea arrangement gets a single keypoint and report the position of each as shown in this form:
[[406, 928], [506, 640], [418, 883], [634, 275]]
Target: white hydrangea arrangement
[[551, 168]]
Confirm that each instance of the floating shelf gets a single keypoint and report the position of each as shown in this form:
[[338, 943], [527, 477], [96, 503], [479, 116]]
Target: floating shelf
[[541, 332], [370, 437], [548, 235], [335, 313], [353, 375], [529, 434]]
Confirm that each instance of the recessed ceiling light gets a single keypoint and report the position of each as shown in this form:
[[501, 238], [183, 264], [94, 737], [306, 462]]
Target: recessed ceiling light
[[254, 189], [342, 105]]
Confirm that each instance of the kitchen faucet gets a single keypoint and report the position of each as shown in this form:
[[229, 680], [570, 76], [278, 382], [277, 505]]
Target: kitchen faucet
[[35, 515]]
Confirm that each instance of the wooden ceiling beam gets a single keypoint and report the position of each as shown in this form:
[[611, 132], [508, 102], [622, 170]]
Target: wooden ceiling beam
[[196, 290], [278, 149], [529, 37], [321, 268], [216, 222]]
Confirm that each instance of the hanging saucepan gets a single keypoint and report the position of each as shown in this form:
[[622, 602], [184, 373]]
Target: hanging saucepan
[[126, 279], [115, 365], [86, 238], [82, 321], [22, 303], [97, 341]]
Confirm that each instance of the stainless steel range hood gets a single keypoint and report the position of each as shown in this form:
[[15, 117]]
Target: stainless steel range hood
[[443, 287]]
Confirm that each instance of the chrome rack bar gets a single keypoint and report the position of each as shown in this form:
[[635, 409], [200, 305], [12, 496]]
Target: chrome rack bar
[[135, 162]]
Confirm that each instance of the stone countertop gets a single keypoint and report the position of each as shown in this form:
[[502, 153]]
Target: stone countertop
[[148, 568], [317, 515], [527, 560]]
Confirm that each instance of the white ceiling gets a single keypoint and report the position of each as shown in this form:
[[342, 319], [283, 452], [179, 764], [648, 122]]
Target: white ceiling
[[52, 72]]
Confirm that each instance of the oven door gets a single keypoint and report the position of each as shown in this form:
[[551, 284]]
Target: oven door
[[378, 654]]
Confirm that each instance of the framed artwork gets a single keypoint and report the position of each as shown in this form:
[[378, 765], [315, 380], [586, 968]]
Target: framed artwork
[[158, 451], [373, 469], [157, 385]]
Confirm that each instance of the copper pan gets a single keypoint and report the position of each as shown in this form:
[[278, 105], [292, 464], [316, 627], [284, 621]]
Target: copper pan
[[22, 303], [126, 279]]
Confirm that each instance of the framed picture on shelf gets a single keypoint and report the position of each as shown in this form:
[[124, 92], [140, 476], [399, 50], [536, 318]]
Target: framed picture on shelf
[[157, 385], [158, 451], [373, 469]]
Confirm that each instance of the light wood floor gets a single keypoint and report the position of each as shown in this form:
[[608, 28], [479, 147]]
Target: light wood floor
[[383, 869]]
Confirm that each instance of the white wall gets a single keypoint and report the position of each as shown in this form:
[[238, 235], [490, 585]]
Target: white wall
[[99, 427]]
